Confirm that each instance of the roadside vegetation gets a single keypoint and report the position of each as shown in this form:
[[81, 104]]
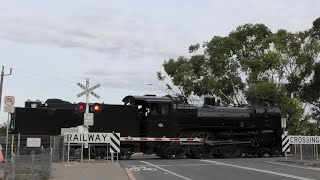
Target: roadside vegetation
[[251, 65]]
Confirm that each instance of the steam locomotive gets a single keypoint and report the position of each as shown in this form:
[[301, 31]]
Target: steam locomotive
[[161, 126]]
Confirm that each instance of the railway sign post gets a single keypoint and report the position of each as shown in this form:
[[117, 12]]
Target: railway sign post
[[9, 102], [88, 117]]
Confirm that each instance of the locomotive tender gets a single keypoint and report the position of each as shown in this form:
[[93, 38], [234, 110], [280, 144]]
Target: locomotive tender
[[224, 131]]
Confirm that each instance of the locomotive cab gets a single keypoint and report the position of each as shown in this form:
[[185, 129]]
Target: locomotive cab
[[155, 114]]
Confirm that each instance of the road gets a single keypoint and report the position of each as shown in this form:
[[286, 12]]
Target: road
[[151, 167]]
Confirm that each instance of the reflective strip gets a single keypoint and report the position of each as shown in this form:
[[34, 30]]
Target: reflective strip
[[160, 139], [285, 143], [115, 142]]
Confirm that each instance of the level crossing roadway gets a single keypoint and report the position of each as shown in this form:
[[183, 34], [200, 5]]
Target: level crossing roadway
[[151, 167]]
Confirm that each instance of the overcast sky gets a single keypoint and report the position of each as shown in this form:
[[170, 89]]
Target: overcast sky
[[52, 45]]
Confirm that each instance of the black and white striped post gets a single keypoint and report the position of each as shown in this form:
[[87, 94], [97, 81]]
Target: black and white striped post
[[285, 144], [114, 145]]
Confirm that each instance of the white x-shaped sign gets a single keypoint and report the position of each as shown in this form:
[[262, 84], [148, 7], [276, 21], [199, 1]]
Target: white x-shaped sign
[[90, 90]]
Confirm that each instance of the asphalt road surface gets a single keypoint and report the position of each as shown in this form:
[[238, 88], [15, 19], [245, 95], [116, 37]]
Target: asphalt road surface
[[151, 167]]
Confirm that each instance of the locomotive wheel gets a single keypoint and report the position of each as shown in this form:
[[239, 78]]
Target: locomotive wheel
[[125, 155], [260, 152], [230, 151], [172, 151], [200, 152], [159, 153], [274, 152], [215, 151]]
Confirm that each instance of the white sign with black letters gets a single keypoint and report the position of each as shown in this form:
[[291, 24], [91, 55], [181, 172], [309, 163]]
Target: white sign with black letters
[[88, 119], [304, 139], [33, 142], [88, 137]]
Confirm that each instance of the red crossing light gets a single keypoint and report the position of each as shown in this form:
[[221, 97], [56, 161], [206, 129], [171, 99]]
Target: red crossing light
[[81, 107]]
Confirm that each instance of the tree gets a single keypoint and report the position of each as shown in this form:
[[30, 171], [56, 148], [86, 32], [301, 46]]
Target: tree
[[3, 129], [316, 28], [265, 92], [254, 64]]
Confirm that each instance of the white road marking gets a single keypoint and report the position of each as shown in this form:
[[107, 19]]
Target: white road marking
[[165, 170], [182, 165], [186, 165], [142, 168], [316, 169], [260, 170]]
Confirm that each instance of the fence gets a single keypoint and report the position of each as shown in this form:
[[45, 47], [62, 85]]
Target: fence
[[308, 152], [35, 166], [17, 145]]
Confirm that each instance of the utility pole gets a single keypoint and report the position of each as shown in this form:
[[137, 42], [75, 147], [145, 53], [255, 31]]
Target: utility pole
[[1, 82]]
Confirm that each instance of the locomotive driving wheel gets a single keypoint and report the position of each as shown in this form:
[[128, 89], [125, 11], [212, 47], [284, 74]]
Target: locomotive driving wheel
[[200, 151], [171, 150], [126, 154], [230, 151]]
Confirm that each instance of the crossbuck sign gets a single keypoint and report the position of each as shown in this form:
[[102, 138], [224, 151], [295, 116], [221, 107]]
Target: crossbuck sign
[[88, 90], [88, 117]]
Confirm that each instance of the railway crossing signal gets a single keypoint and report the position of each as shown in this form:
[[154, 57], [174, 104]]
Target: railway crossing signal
[[88, 117], [88, 90]]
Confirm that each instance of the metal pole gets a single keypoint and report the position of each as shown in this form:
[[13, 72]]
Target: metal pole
[[1, 84], [87, 95], [12, 141], [53, 144], [32, 167], [7, 138], [68, 148], [107, 151], [112, 156], [63, 149], [51, 163], [317, 152], [81, 152], [51, 154], [13, 167], [285, 154], [89, 152], [301, 152], [18, 144]]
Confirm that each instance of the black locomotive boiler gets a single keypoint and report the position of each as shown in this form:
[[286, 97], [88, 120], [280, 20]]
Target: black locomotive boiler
[[152, 124]]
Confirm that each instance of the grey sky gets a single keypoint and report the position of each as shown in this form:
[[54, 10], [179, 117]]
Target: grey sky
[[53, 44]]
